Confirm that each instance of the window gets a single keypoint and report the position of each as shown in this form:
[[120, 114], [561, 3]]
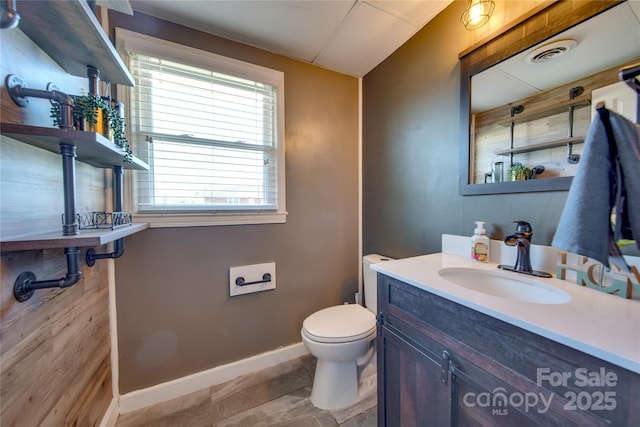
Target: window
[[212, 131]]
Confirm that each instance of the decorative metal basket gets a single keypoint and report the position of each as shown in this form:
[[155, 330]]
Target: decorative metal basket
[[103, 220]]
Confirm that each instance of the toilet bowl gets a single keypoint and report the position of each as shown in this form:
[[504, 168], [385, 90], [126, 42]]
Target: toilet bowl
[[341, 337]]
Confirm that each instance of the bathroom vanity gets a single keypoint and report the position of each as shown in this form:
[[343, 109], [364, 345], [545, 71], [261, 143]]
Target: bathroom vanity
[[449, 355]]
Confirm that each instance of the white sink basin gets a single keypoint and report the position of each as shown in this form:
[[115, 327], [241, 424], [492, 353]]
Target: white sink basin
[[505, 285]]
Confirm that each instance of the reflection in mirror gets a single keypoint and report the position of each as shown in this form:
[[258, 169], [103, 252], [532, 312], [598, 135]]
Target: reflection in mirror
[[529, 113]]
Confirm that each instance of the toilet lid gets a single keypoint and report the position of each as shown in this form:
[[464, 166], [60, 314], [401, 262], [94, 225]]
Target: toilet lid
[[340, 323]]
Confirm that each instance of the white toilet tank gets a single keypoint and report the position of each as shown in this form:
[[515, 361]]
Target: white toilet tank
[[370, 278]]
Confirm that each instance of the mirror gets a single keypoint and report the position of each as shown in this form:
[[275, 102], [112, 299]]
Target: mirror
[[525, 116]]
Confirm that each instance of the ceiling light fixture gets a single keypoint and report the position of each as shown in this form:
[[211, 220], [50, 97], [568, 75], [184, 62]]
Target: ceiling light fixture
[[477, 14]]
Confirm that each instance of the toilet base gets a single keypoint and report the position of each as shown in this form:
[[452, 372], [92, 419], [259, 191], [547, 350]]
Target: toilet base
[[335, 385]]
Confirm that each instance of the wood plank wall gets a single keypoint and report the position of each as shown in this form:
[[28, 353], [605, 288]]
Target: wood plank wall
[[489, 136], [55, 350], [55, 354]]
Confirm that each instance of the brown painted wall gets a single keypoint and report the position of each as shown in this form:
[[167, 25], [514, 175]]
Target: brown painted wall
[[411, 153], [175, 316], [55, 348]]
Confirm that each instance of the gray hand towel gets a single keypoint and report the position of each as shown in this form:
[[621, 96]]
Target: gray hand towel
[[603, 180]]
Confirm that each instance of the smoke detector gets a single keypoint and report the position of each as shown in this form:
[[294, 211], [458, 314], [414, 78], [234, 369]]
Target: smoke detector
[[550, 51]]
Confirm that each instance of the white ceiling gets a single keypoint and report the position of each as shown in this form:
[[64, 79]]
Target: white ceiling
[[605, 41], [348, 36]]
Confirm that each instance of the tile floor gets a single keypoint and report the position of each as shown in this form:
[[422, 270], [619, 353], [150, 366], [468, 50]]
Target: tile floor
[[277, 396]]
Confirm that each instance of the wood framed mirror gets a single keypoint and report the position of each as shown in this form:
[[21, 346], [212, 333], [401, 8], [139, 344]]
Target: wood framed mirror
[[482, 156]]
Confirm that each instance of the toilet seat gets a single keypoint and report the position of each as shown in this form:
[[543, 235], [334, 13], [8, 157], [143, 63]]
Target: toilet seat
[[340, 323]]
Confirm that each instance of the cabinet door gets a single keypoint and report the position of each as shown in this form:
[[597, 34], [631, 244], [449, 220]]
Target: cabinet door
[[476, 404], [481, 399], [410, 390]]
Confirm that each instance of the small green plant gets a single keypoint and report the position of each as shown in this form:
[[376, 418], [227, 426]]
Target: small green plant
[[519, 172], [86, 110], [56, 114], [87, 107], [117, 125]]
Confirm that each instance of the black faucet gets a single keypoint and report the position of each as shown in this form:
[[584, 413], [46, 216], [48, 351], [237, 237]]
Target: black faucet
[[521, 239]]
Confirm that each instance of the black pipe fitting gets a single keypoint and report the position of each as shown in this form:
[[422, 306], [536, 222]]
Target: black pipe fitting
[[19, 92], [9, 17], [118, 250], [94, 78], [118, 245], [26, 283], [70, 222]]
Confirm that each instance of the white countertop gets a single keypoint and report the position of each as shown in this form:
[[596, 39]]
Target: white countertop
[[602, 325]]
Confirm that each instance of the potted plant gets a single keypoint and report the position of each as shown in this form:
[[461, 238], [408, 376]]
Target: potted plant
[[519, 172], [91, 113], [116, 125]]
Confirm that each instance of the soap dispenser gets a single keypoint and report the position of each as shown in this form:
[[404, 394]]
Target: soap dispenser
[[480, 243]]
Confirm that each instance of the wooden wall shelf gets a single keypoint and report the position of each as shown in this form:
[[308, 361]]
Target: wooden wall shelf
[[55, 239], [541, 146], [91, 147], [69, 32]]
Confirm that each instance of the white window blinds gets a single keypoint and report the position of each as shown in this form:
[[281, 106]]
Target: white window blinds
[[210, 137]]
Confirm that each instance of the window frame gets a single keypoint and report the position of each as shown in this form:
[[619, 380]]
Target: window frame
[[128, 40]]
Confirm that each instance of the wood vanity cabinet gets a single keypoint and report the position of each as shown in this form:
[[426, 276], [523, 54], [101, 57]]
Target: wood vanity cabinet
[[443, 364]]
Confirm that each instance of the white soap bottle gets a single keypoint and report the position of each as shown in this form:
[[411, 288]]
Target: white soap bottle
[[480, 243]]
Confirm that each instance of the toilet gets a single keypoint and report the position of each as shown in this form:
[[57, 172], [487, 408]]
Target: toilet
[[341, 337]]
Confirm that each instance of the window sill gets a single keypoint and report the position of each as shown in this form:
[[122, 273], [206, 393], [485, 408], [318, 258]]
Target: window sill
[[205, 220]]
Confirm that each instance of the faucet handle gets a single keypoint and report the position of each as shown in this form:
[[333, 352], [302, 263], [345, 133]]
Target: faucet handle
[[523, 228]]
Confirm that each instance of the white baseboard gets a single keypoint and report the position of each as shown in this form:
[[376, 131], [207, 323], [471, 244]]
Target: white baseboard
[[111, 416], [170, 390]]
